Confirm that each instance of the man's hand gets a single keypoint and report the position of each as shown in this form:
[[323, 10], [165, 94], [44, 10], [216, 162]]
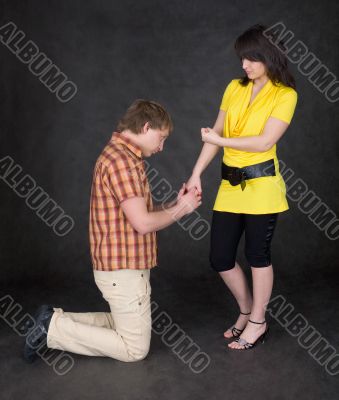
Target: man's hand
[[190, 201], [164, 206], [186, 188], [182, 191], [208, 135]]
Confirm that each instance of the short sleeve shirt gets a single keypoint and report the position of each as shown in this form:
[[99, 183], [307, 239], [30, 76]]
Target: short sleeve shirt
[[119, 174], [265, 194]]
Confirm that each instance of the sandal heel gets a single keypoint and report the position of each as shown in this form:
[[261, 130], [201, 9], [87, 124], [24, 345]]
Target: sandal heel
[[265, 335]]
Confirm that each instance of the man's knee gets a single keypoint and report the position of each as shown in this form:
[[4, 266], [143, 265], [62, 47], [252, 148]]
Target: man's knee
[[138, 355]]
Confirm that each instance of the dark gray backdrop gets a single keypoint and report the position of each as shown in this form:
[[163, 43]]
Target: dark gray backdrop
[[179, 53]]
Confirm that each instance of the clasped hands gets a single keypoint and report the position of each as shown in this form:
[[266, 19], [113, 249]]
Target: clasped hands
[[190, 192]]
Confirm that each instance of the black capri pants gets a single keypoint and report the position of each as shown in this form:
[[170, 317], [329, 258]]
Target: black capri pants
[[226, 232]]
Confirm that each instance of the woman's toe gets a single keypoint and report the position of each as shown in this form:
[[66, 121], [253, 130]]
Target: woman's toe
[[235, 345]]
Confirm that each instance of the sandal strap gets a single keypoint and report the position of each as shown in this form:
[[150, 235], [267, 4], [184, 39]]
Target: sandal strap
[[254, 322], [245, 313], [237, 330], [244, 342]]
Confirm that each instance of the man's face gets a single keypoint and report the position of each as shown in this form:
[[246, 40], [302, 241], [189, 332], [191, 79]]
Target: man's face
[[153, 140]]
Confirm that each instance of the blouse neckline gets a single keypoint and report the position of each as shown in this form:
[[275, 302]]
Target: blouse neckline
[[260, 94]]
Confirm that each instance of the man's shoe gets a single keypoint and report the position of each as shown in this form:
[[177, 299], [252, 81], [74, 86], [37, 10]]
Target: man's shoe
[[38, 334]]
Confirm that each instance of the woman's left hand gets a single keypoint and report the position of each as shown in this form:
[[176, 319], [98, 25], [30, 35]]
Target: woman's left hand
[[208, 135]]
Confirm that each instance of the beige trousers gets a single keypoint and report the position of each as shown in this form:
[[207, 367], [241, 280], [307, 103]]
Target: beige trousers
[[123, 334]]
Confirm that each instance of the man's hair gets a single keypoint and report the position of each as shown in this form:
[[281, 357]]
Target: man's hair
[[142, 111]]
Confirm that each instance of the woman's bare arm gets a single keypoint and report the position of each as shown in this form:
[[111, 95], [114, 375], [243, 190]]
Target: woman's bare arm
[[208, 152]]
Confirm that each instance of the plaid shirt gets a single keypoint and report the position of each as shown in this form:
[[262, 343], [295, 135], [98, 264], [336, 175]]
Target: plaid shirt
[[119, 174]]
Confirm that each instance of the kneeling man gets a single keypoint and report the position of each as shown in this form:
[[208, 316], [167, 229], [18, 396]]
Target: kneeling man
[[122, 229]]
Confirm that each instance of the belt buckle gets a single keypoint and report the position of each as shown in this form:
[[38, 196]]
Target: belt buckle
[[237, 176]]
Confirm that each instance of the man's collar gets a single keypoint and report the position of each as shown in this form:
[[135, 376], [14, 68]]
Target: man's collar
[[117, 137]]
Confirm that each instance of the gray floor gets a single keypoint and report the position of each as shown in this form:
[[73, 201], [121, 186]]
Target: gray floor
[[279, 369]]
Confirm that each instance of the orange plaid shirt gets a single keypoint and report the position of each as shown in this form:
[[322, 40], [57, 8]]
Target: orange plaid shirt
[[119, 174]]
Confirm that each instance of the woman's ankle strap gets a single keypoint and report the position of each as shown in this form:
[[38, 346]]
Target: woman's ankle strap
[[256, 322]]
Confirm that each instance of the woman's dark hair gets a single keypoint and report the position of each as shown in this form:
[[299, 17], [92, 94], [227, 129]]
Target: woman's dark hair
[[254, 46]]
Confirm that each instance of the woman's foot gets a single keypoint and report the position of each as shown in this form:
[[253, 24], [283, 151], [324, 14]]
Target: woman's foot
[[250, 334], [239, 326]]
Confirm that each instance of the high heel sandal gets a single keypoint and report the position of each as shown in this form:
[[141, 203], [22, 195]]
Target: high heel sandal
[[261, 338], [236, 332]]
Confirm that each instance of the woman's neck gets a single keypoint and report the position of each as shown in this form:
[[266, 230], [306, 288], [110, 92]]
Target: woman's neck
[[260, 81]]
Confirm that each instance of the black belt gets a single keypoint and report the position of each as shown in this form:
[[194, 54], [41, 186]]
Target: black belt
[[238, 176]]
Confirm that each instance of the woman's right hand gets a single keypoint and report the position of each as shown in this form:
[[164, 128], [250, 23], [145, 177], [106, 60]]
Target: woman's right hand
[[194, 181]]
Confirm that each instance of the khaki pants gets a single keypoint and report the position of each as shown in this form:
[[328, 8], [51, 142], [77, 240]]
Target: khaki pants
[[123, 334]]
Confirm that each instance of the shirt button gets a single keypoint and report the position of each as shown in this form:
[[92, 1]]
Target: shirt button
[[142, 275], [139, 303], [114, 284]]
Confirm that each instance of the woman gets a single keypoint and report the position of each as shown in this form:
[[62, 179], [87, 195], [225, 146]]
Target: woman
[[254, 114]]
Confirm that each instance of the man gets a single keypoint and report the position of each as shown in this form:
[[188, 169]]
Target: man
[[122, 230]]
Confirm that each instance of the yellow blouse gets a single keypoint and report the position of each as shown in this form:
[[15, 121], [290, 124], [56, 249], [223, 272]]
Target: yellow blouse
[[266, 194]]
